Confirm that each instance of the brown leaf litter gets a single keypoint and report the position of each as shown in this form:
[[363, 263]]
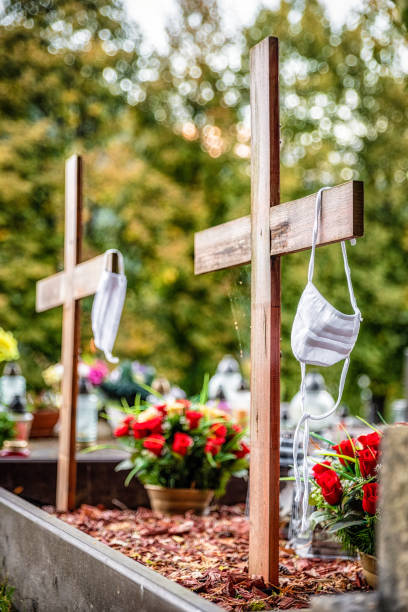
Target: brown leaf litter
[[209, 555]]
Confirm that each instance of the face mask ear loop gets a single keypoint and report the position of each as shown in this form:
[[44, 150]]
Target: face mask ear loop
[[315, 232], [120, 260], [306, 487], [298, 485], [349, 283], [341, 389]]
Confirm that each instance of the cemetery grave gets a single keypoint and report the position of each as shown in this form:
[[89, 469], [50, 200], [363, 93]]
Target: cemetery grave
[[209, 555]]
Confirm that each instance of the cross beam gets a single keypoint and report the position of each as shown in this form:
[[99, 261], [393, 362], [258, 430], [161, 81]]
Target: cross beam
[[272, 230], [229, 244], [66, 288]]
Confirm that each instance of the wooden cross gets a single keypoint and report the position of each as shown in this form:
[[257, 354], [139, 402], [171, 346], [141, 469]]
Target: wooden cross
[[78, 280], [272, 230]]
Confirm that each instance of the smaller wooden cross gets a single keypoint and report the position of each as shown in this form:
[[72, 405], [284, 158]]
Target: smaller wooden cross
[[272, 230], [78, 280]]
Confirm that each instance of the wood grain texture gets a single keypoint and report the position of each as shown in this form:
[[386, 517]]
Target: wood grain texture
[[51, 290], [66, 474], [265, 315], [291, 226]]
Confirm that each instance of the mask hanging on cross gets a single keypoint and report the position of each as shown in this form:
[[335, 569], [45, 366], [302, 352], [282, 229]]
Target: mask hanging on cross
[[108, 305], [322, 336]]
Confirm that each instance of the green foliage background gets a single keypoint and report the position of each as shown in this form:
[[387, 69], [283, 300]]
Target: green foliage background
[[165, 142]]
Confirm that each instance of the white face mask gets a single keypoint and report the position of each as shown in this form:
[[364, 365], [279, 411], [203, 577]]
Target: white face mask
[[322, 336], [107, 307]]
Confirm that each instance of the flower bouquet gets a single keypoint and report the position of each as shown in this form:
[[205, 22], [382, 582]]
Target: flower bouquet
[[345, 493], [184, 446]]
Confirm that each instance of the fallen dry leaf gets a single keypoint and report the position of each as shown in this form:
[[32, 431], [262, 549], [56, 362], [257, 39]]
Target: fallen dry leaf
[[209, 555]]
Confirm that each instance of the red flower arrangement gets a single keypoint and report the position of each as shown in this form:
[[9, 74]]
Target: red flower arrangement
[[182, 444], [370, 497], [345, 491]]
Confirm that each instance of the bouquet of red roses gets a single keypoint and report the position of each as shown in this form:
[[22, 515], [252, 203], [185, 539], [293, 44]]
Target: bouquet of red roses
[[345, 491], [180, 444]]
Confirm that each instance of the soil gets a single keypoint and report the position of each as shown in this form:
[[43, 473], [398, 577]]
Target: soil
[[209, 555]]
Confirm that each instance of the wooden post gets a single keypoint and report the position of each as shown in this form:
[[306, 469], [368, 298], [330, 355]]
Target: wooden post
[[265, 315], [66, 475], [66, 288]]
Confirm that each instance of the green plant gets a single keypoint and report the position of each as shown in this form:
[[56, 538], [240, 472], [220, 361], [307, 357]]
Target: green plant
[[7, 430], [182, 444], [6, 595], [345, 492]]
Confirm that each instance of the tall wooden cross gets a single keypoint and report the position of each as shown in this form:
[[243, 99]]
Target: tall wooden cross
[[78, 280], [273, 229]]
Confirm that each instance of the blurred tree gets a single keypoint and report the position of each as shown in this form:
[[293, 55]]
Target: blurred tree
[[167, 150], [342, 114], [57, 94]]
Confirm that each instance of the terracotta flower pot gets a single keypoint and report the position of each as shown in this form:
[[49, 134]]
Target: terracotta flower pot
[[369, 565], [178, 501], [43, 423]]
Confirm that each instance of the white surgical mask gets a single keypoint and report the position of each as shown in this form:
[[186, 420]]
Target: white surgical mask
[[107, 307], [322, 336]]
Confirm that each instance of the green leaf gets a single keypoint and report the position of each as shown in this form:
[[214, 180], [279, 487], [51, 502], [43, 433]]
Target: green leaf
[[319, 437], [320, 515], [226, 457], [368, 424], [126, 464], [98, 447], [131, 475], [204, 390], [345, 525], [150, 390], [210, 460], [240, 473], [336, 455]]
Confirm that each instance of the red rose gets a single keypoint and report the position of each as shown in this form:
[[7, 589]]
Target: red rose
[[320, 468], [128, 419], [331, 487], [139, 430], [367, 459], [345, 447], [213, 445], [219, 430], [370, 497], [154, 425], [237, 428], [244, 450], [182, 443], [193, 418], [123, 430], [162, 408], [371, 440], [154, 443], [184, 402]]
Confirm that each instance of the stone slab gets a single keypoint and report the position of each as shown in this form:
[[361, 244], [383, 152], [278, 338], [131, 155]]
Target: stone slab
[[57, 568], [393, 534], [350, 602]]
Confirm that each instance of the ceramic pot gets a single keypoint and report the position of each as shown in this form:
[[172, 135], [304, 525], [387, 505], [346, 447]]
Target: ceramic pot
[[43, 423], [369, 565], [178, 501]]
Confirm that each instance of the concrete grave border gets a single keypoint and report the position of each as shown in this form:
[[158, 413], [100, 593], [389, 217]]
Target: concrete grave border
[[57, 568]]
